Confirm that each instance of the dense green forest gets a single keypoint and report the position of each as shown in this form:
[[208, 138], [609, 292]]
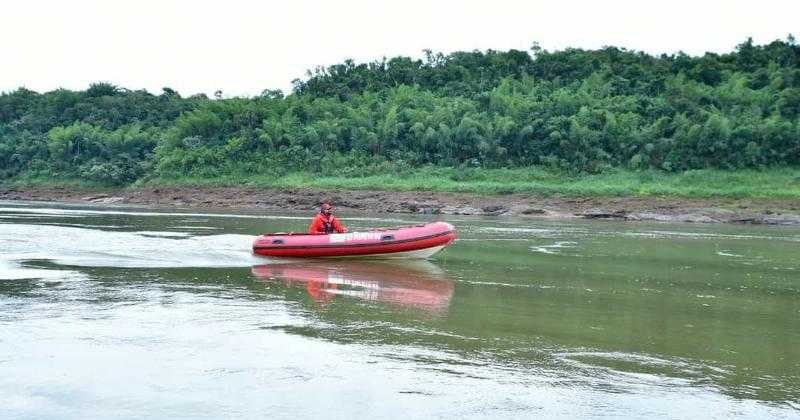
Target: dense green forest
[[572, 111]]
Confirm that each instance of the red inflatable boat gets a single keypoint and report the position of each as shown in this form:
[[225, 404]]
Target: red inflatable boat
[[420, 241]]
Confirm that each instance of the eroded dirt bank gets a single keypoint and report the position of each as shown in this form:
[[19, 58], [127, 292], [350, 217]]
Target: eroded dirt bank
[[706, 210]]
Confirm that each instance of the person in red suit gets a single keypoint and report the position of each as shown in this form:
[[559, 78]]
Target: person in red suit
[[325, 221]]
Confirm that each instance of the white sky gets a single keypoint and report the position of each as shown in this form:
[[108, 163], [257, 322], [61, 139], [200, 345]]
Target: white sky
[[242, 47]]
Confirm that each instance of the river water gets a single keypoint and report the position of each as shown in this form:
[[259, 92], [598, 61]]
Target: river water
[[140, 313]]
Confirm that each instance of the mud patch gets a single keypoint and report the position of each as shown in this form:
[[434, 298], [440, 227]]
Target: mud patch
[[663, 209]]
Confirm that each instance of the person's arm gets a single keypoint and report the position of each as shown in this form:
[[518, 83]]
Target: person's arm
[[338, 226], [315, 226]]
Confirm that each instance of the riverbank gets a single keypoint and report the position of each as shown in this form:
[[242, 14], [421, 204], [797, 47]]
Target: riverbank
[[772, 211]]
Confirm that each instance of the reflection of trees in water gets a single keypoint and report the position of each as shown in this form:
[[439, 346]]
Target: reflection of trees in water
[[416, 284], [620, 335]]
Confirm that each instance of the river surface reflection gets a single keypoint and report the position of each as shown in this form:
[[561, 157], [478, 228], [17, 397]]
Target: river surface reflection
[[414, 284], [143, 313]]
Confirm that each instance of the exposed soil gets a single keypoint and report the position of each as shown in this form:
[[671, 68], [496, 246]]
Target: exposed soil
[[669, 209]]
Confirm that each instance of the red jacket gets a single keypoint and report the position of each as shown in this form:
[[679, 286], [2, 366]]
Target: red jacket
[[318, 225]]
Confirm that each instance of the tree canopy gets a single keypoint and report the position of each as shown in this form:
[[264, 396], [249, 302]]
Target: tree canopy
[[576, 110]]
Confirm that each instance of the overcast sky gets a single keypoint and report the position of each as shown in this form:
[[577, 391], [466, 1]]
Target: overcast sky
[[243, 47]]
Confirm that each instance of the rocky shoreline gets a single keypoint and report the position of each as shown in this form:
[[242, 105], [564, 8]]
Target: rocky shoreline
[[663, 209]]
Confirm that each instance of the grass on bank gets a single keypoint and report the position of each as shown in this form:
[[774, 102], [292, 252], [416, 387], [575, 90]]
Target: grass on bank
[[782, 183], [772, 183]]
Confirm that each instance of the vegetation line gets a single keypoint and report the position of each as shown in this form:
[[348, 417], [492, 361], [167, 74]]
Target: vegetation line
[[574, 122], [778, 183]]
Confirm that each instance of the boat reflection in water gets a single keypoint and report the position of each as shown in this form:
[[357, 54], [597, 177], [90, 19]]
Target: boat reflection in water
[[411, 283]]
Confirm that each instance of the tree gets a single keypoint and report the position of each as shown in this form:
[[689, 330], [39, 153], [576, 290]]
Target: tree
[[169, 93], [101, 89], [789, 103]]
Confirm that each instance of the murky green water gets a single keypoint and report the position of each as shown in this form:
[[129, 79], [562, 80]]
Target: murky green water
[[141, 314]]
